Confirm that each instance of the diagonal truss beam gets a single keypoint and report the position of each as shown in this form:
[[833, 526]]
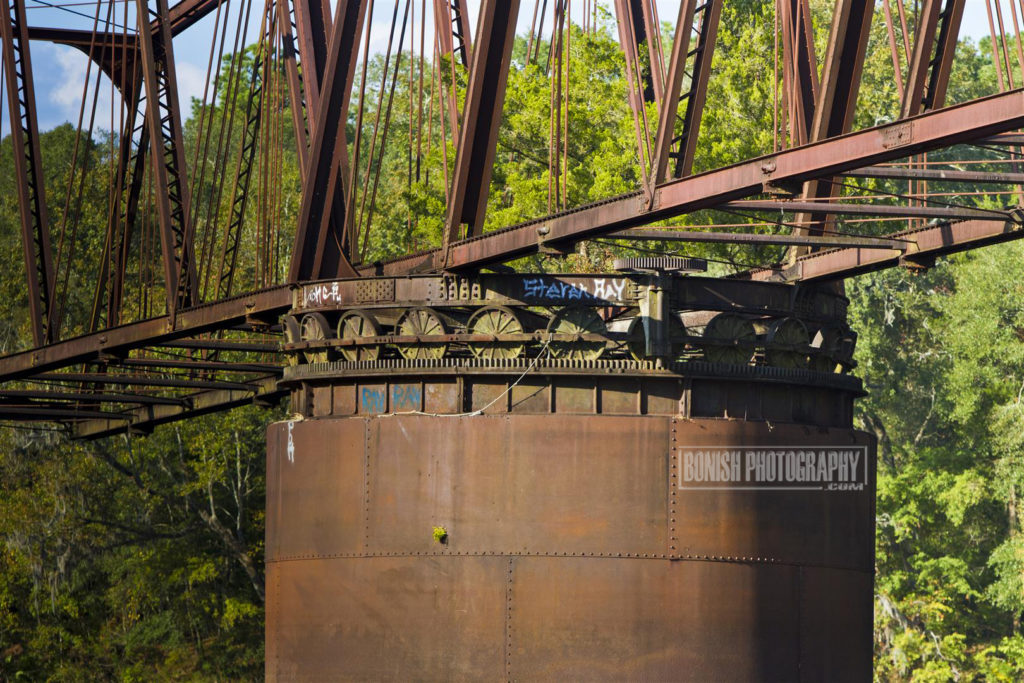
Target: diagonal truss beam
[[118, 55], [131, 168], [942, 128], [291, 57], [676, 141], [246, 154], [481, 117], [451, 21], [312, 35], [28, 169], [319, 239], [639, 33], [836, 104], [640, 85], [934, 47], [168, 156], [844, 62], [800, 67]]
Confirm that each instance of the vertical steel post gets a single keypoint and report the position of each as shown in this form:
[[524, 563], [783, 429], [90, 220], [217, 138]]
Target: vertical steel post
[[451, 22], [800, 67], [481, 117], [837, 97], [317, 249], [28, 169], [682, 146], [939, 27], [168, 156]]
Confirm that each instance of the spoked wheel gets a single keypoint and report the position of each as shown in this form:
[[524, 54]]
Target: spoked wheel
[[356, 324], [315, 328], [495, 320], [637, 343], [577, 320], [729, 338], [787, 343], [421, 322], [292, 334]]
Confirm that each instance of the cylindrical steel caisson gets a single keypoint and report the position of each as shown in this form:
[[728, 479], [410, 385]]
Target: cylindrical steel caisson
[[629, 510]]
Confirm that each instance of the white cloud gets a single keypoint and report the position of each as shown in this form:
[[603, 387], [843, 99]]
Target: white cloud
[[65, 89], [191, 80]]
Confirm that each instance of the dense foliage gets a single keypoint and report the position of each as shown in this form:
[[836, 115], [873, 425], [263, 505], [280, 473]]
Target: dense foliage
[[140, 558]]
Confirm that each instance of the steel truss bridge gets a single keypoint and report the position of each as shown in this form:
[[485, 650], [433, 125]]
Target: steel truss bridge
[[180, 326]]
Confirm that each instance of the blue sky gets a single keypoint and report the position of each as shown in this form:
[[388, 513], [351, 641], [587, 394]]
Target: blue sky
[[60, 71]]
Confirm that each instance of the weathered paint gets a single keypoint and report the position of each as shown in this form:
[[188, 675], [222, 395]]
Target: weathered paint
[[573, 552]]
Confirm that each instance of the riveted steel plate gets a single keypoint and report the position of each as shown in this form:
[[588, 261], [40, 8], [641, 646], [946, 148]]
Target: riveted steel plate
[[315, 485], [625, 619], [777, 520], [518, 484], [836, 606], [387, 618]]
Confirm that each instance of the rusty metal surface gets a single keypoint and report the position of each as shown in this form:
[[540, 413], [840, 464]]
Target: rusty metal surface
[[930, 242], [569, 540], [584, 619], [387, 618], [325, 243], [525, 484]]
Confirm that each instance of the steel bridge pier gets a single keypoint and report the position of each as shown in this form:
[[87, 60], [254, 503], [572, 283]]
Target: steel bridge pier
[[559, 507]]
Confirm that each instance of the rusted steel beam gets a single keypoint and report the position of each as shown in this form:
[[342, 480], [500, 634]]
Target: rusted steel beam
[[137, 380], [221, 345], [641, 81], [141, 399], [903, 173], [837, 97], [638, 32], [215, 366], [49, 414], [296, 88], [312, 33], [107, 49], [681, 147], [1005, 139], [800, 68], [305, 61], [947, 212], [451, 22], [320, 238], [262, 67], [844, 62], [28, 170], [131, 169], [162, 331], [168, 156], [934, 47], [962, 123], [187, 13], [924, 246], [755, 238], [481, 117], [114, 53], [263, 392]]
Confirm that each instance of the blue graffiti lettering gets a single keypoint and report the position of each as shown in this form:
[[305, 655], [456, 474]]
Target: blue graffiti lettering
[[405, 396], [373, 400]]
